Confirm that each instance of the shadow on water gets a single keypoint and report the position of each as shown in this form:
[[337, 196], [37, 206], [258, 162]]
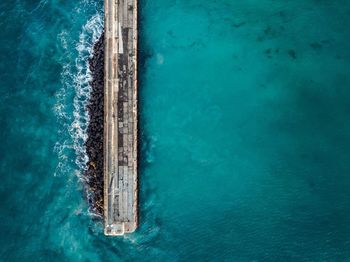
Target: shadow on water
[[144, 138]]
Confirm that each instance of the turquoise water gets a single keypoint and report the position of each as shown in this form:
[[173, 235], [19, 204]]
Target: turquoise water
[[245, 137]]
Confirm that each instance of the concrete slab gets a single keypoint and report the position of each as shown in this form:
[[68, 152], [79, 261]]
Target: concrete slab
[[120, 119]]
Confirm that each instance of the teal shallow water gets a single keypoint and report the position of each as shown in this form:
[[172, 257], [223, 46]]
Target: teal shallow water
[[244, 132]]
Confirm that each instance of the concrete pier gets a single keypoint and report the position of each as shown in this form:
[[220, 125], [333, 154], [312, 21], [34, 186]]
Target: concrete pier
[[120, 117]]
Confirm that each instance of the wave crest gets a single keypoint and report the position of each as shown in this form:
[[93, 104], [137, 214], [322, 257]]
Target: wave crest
[[74, 96]]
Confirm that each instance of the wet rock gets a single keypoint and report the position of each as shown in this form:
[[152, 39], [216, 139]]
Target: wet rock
[[94, 142]]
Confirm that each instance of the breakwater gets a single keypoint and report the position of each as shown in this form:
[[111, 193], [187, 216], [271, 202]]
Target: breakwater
[[120, 117], [94, 142], [111, 171]]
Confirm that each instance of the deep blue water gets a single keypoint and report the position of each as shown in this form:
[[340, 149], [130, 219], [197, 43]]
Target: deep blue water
[[244, 125]]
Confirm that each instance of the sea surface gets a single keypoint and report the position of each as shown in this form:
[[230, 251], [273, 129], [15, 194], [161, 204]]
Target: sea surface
[[244, 126]]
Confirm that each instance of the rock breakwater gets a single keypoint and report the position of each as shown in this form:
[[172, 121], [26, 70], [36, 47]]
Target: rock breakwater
[[94, 142]]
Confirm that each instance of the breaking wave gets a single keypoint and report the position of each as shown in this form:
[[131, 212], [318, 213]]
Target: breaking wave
[[73, 97]]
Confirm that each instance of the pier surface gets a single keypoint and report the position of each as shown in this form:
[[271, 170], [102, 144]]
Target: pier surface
[[120, 117]]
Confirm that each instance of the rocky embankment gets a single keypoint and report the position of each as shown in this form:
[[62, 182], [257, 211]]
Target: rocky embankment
[[94, 143]]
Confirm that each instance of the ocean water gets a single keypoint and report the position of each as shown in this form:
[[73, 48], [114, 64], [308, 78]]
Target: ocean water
[[244, 126]]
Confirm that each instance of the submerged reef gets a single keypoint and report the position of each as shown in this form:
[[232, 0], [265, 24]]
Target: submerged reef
[[94, 142]]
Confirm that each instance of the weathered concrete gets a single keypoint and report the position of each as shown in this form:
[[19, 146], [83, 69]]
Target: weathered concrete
[[120, 117]]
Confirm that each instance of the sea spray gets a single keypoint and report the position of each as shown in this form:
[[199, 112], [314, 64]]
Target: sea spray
[[90, 34], [74, 96]]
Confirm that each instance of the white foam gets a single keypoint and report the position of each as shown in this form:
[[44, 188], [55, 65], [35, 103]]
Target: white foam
[[74, 96]]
